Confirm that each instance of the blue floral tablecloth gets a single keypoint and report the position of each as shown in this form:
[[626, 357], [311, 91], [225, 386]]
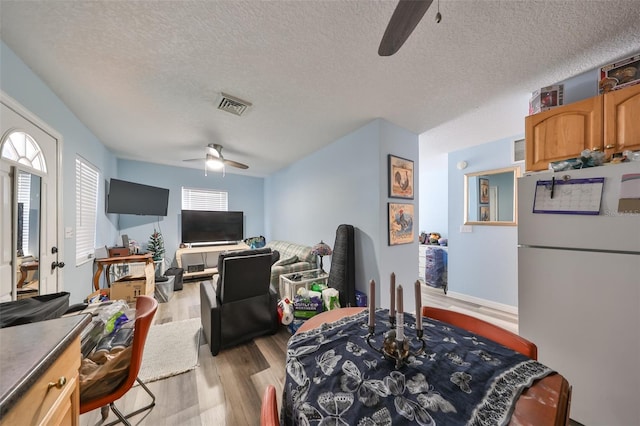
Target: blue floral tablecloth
[[334, 377]]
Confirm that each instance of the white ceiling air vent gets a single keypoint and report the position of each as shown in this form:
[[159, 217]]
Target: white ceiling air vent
[[233, 105]]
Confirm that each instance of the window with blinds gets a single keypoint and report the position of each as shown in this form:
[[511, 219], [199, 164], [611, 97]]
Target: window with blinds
[[86, 210], [204, 199]]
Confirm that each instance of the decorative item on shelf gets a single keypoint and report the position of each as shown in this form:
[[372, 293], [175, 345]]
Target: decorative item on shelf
[[620, 74], [395, 346], [423, 238], [433, 238], [156, 245], [256, 242], [134, 247], [321, 249]]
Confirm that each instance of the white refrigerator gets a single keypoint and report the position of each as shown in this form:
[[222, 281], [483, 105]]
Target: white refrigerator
[[579, 288]]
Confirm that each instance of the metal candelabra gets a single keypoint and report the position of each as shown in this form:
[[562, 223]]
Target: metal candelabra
[[393, 349]]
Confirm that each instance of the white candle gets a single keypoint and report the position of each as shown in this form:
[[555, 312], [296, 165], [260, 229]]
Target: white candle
[[400, 315], [418, 306], [392, 288], [372, 302]]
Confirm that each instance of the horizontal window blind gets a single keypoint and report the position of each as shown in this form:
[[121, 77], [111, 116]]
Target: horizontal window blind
[[86, 209], [204, 199], [24, 197]]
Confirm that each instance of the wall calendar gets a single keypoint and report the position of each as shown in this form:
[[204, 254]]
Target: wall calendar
[[571, 196]]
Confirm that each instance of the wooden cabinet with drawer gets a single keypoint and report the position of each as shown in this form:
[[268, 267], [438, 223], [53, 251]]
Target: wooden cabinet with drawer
[[40, 364], [55, 398]]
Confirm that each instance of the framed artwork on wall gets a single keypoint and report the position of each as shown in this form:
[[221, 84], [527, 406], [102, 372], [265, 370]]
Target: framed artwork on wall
[[484, 214], [483, 190], [400, 177], [400, 223]]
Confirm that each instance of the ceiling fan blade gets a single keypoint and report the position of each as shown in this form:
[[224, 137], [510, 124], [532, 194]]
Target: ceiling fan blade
[[194, 159], [404, 20], [235, 164]]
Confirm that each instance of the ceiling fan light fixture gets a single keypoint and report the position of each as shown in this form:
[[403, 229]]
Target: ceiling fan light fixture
[[214, 163]]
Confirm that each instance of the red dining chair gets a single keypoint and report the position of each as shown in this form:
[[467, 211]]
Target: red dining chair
[[485, 329], [146, 307], [269, 411]]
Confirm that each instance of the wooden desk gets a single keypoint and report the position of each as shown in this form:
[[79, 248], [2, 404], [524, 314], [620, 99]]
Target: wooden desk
[[106, 263], [546, 402]]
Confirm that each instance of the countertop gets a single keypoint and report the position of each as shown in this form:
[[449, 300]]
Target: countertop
[[27, 351]]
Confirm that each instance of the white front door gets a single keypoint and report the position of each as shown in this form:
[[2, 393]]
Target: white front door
[[26, 148]]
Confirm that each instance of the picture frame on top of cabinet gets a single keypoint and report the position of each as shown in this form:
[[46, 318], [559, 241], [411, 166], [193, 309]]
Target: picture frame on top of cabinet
[[400, 177]]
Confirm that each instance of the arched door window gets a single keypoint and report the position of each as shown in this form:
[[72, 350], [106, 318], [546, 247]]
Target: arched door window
[[19, 147]]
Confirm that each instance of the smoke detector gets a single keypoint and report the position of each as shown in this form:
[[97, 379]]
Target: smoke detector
[[233, 105]]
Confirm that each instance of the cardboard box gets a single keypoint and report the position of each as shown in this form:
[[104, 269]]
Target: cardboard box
[[546, 98], [620, 74], [128, 288]]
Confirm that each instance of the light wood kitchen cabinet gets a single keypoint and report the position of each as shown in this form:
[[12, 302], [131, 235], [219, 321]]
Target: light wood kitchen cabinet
[[622, 120], [609, 123], [563, 132], [39, 383]]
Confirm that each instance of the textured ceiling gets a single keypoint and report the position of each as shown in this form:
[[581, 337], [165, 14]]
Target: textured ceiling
[[144, 76]]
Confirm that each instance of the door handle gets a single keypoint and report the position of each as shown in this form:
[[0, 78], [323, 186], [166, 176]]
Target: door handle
[[55, 265]]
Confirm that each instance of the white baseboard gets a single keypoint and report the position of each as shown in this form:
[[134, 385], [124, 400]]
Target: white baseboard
[[513, 310]]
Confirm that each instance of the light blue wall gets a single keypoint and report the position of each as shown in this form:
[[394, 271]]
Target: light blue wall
[[246, 194], [483, 263], [434, 194], [346, 182], [21, 84]]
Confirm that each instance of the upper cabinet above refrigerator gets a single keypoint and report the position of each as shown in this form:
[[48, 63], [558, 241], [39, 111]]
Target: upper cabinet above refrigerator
[[606, 123]]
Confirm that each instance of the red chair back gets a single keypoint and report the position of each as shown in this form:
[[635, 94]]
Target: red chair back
[[146, 307], [483, 328], [269, 412]]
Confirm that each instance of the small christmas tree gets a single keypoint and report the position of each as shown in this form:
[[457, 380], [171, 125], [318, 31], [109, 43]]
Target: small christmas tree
[[156, 245]]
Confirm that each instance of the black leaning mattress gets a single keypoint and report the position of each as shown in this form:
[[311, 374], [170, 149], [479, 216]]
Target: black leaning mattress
[[33, 309]]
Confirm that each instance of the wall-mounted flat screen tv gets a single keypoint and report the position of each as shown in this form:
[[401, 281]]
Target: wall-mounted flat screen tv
[[204, 226], [135, 198]]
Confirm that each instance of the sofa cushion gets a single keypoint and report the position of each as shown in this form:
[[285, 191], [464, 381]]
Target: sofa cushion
[[275, 256], [288, 249]]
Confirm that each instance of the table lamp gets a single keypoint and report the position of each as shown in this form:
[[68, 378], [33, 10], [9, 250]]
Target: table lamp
[[321, 249]]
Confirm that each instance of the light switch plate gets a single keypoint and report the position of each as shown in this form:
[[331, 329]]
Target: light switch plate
[[68, 232], [466, 228]]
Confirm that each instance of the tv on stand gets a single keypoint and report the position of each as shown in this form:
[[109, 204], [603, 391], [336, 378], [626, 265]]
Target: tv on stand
[[206, 227]]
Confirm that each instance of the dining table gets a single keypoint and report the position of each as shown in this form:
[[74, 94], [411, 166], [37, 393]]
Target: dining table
[[335, 374]]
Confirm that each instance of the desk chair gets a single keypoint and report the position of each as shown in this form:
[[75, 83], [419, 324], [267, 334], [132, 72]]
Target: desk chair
[[269, 410], [485, 329], [146, 307]]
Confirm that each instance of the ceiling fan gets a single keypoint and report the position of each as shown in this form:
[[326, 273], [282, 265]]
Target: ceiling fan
[[404, 20], [214, 159]]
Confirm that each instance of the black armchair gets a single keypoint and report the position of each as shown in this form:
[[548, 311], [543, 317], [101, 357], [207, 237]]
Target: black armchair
[[239, 304]]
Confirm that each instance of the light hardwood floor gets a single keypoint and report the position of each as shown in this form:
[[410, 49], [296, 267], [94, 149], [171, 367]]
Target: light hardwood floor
[[227, 389]]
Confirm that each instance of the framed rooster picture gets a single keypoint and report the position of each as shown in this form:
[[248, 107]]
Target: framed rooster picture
[[400, 177]]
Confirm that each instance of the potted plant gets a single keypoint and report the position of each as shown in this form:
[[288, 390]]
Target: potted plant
[[156, 245]]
